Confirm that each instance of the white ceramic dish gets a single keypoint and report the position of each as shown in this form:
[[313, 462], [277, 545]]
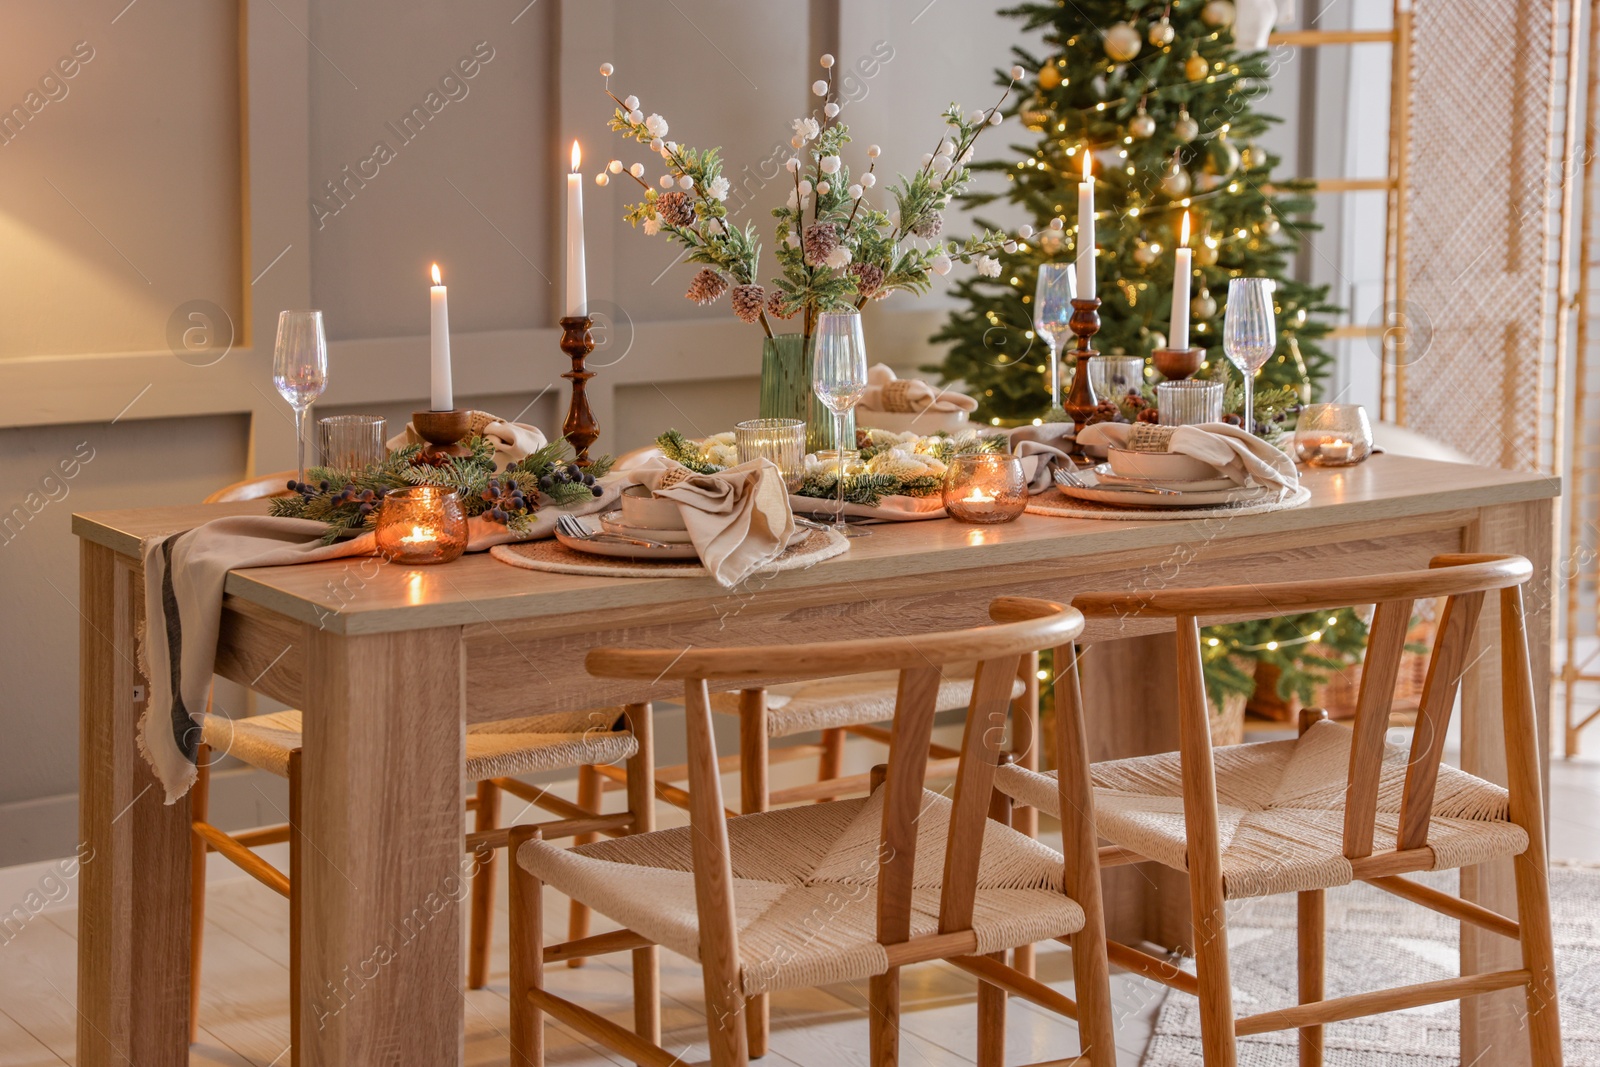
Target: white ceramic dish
[[619, 550], [613, 522], [644, 553], [1165, 466], [1124, 499], [641, 509], [1204, 485]]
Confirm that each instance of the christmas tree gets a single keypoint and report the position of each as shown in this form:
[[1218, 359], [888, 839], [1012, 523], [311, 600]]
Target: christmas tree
[[1162, 97]]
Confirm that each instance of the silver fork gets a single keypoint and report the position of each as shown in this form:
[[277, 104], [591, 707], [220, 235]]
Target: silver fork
[[1070, 479], [571, 527]]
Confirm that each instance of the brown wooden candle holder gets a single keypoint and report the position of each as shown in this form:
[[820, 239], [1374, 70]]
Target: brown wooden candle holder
[[580, 428], [444, 431], [1176, 364], [1080, 400]]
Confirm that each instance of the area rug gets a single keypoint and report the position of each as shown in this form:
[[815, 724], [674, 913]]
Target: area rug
[[1376, 940]]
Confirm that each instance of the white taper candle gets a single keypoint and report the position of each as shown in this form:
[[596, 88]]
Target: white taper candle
[[577, 288], [441, 392]]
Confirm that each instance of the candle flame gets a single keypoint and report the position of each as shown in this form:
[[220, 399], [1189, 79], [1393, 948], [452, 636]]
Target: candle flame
[[1087, 156], [577, 156], [436, 280], [978, 496], [1184, 242]]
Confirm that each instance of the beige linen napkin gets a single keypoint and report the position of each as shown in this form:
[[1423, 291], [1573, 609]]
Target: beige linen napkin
[[1242, 458], [1042, 449], [885, 392], [513, 441], [738, 519]]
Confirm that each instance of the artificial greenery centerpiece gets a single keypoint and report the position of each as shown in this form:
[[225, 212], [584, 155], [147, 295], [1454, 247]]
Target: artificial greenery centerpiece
[[349, 500], [890, 464]]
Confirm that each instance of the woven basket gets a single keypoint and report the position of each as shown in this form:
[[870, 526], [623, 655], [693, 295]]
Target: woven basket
[[1340, 693], [1227, 722]]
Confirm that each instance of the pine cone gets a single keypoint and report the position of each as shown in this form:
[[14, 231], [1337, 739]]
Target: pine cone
[[675, 208], [747, 301], [707, 286], [776, 308], [868, 277], [929, 226], [820, 241]]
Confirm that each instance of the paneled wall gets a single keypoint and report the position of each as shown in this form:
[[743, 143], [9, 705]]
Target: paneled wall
[[174, 173]]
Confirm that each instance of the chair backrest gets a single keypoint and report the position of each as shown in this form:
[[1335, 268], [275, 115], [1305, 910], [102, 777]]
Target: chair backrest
[[257, 488], [1022, 626], [1462, 580]]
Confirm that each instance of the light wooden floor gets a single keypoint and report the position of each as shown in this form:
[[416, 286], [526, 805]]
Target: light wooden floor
[[245, 985]]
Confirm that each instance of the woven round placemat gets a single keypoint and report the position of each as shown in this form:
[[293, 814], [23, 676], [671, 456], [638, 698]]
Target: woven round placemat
[[553, 556], [1061, 506]]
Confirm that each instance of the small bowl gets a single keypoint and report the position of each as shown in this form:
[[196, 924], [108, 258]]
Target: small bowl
[[642, 510], [1160, 466]]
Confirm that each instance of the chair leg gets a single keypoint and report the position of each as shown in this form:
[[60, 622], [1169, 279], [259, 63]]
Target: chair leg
[[641, 803], [296, 906], [1312, 925], [883, 995], [830, 764], [1538, 956], [591, 793], [527, 955], [481, 940], [754, 791], [199, 798], [1025, 750]]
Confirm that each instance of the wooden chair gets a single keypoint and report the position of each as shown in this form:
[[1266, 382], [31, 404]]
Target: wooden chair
[[257, 488], [842, 890], [1336, 805]]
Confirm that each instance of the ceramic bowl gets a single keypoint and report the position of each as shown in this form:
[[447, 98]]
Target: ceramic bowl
[[642, 510], [1160, 466]]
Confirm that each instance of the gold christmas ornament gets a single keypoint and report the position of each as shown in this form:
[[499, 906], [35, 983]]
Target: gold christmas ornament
[[1175, 182], [1157, 339], [1144, 253], [1221, 158], [1270, 226], [1204, 305], [1142, 126], [1035, 119], [1205, 254], [1217, 14], [1122, 42], [1196, 67], [1161, 33], [1185, 128], [1049, 76]]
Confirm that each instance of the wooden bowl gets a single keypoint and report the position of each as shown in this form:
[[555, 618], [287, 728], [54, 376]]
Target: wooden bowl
[[641, 509], [1159, 466]]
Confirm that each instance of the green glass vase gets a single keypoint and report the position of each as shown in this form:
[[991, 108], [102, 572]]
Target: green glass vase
[[786, 391]]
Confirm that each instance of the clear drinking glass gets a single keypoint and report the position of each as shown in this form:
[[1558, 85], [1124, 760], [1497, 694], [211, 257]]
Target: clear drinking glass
[[839, 377], [1189, 402], [352, 442], [783, 441], [1114, 377], [1249, 334], [1052, 311], [300, 370]]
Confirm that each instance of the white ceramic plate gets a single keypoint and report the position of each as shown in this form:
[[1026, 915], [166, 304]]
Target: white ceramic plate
[[618, 550], [1124, 499], [613, 522], [1204, 485]]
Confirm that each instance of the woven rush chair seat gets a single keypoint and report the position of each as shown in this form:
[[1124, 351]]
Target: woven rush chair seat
[[804, 889], [494, 749], [857, 700], [1280, 811]]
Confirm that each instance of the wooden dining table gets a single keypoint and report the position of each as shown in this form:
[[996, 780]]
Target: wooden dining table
[[389, 662]]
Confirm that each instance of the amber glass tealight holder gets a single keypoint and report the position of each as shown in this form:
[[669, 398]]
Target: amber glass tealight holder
[[422, 524], [986, 488]]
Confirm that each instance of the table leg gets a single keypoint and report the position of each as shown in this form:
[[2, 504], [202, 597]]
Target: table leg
[[1130, 708], [1491, 1026], [383, 873], [133, 911]]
